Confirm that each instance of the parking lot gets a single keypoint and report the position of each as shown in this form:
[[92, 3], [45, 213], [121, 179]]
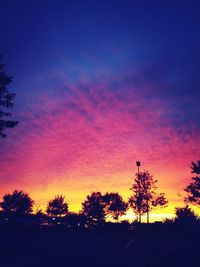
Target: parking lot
[[51, 248]]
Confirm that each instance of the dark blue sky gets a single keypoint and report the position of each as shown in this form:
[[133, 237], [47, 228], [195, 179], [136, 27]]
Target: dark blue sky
[[111, 36], [48, 45]]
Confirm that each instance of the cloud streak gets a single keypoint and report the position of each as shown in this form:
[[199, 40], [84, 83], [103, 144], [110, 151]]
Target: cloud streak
[[87, 135]]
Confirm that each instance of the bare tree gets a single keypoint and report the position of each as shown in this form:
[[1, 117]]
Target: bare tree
[[145, 197]]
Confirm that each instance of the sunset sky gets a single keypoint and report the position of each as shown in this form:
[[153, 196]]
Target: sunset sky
[[99, 85]]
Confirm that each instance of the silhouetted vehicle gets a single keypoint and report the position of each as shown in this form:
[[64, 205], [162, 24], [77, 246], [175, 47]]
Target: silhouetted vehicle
[[75, 221]]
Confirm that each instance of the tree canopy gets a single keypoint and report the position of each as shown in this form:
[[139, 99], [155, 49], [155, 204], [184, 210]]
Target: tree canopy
[[114, 205], [18, 203], [185, 215], [98, 207], [6, 102], [193, 189], [57, 206], [93, 208]]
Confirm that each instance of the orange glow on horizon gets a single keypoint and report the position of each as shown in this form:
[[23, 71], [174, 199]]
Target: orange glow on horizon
[[75, 194]]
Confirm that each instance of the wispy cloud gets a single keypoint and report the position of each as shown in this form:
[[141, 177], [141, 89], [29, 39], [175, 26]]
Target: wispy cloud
[[87, 135]]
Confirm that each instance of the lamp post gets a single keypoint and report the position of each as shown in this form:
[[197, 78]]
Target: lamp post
[[138, 164]]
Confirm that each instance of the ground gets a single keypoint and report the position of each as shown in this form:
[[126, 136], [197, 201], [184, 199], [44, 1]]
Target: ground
[[91, 248]]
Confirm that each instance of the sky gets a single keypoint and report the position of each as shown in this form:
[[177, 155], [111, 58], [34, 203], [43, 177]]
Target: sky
[[100, 85]]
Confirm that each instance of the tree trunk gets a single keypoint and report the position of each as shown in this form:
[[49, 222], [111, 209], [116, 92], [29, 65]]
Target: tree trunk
[[140, 217], [147, 216], [147, 211]]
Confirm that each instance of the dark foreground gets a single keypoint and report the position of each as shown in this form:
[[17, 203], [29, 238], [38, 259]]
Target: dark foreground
[[56, 247]]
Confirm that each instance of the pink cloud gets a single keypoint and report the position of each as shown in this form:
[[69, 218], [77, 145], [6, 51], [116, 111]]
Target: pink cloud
[[89, 138]]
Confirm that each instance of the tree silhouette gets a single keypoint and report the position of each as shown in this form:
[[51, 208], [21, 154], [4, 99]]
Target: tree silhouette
[[185, 215], [145, 198], [18, 203], [6, 102], [193, 189], [93, 208], [57, 206], [114, 205]]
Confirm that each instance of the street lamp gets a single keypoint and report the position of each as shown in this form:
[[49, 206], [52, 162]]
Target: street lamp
[[138, 164]]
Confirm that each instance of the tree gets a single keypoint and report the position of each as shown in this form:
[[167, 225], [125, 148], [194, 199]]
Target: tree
[[193, 189], [18, 203], [145, 198], [6, 102], [185, 215], [114, 205], [93, 208], [57, 206]]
